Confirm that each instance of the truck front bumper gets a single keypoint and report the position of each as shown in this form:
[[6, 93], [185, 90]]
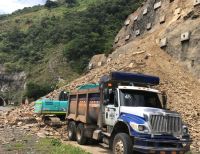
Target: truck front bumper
[[161, 146]]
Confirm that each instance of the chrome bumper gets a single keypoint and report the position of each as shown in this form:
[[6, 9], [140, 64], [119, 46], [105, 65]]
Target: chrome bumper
[[161, 146]]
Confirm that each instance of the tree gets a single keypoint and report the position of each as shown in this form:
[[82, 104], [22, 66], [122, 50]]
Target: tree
[[36, 91], [51, 4], [71, 2]]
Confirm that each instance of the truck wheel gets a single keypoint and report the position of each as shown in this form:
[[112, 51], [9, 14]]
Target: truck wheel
[[72, 131], [122, 144], [81, 139]]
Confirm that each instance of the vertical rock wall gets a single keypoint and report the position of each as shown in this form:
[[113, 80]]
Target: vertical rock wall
[[11, 85]]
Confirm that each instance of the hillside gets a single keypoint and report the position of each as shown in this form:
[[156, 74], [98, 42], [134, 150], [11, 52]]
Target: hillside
[[146, 53], [54, 42]]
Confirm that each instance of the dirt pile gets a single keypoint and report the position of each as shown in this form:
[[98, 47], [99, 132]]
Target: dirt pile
[[24, 113], [23, 117]]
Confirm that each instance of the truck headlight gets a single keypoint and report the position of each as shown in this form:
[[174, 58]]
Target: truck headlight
[[139, 128]]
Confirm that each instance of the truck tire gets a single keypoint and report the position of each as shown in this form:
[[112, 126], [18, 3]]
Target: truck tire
[[72, 131], [81, 139], [122, 144]]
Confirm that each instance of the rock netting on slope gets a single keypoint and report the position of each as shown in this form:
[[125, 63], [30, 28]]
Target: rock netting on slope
[[175, 25]]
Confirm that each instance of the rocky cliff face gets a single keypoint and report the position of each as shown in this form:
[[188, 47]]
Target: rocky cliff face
[[11, 85], [174, 25]]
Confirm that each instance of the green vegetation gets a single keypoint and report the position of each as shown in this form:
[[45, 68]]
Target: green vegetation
[[56, 41], [30, 144], [54, 146], [93, 31], [50, 4], [36, 91], [15, 146]]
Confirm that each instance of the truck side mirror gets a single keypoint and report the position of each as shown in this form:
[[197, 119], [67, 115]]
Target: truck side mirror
[[164, 99], [116, 99]]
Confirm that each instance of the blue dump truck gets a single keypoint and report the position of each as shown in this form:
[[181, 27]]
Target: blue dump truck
[[127, 113]]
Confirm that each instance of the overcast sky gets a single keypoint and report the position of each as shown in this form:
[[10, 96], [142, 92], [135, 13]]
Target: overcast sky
[[8, 6]]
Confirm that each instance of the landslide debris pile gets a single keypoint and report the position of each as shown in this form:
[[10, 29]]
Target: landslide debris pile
[[23, 117]]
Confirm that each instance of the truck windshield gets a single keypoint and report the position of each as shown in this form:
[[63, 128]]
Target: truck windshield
[[138, 98]]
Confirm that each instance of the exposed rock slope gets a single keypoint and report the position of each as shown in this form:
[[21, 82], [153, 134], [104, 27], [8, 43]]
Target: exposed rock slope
[[11, 83], [175, 26]]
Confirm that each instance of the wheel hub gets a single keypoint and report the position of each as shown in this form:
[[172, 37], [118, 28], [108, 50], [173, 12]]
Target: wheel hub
[[119, 147], [78, 134], [70, 133]]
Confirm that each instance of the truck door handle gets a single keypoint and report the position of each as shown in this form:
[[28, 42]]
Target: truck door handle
[[113, 109], [106, 115]]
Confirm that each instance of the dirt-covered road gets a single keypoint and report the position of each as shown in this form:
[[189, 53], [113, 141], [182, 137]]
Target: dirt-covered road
[[13, 139], [92, 148]]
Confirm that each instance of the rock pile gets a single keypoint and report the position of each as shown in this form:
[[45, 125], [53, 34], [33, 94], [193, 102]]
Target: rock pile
[[24, 118], [22, 114]]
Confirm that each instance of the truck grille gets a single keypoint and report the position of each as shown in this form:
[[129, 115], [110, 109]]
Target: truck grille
[[166, 124]]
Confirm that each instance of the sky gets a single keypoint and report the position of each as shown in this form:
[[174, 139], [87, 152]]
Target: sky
[[8, 6]]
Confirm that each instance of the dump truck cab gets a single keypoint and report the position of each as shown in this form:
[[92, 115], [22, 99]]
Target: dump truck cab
[[132, 108]]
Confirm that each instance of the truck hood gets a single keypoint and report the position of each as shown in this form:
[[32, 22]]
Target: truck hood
[[140, 111]]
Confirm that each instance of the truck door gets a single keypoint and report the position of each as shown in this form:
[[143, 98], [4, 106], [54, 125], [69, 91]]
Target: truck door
[[112, 109]]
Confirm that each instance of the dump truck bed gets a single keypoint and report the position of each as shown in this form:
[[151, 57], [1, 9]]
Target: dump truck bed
[[84, 105]]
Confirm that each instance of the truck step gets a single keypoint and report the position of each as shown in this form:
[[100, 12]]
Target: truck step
[[97, 134]]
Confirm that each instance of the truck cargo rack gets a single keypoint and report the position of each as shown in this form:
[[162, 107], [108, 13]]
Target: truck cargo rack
[[131, 78]]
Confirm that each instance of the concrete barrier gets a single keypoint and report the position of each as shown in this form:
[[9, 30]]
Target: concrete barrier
[[157, 5], [149, 26], [137, 32], [145, 11], [196, 2], [127, 37], [163, 42], [185, 36]]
